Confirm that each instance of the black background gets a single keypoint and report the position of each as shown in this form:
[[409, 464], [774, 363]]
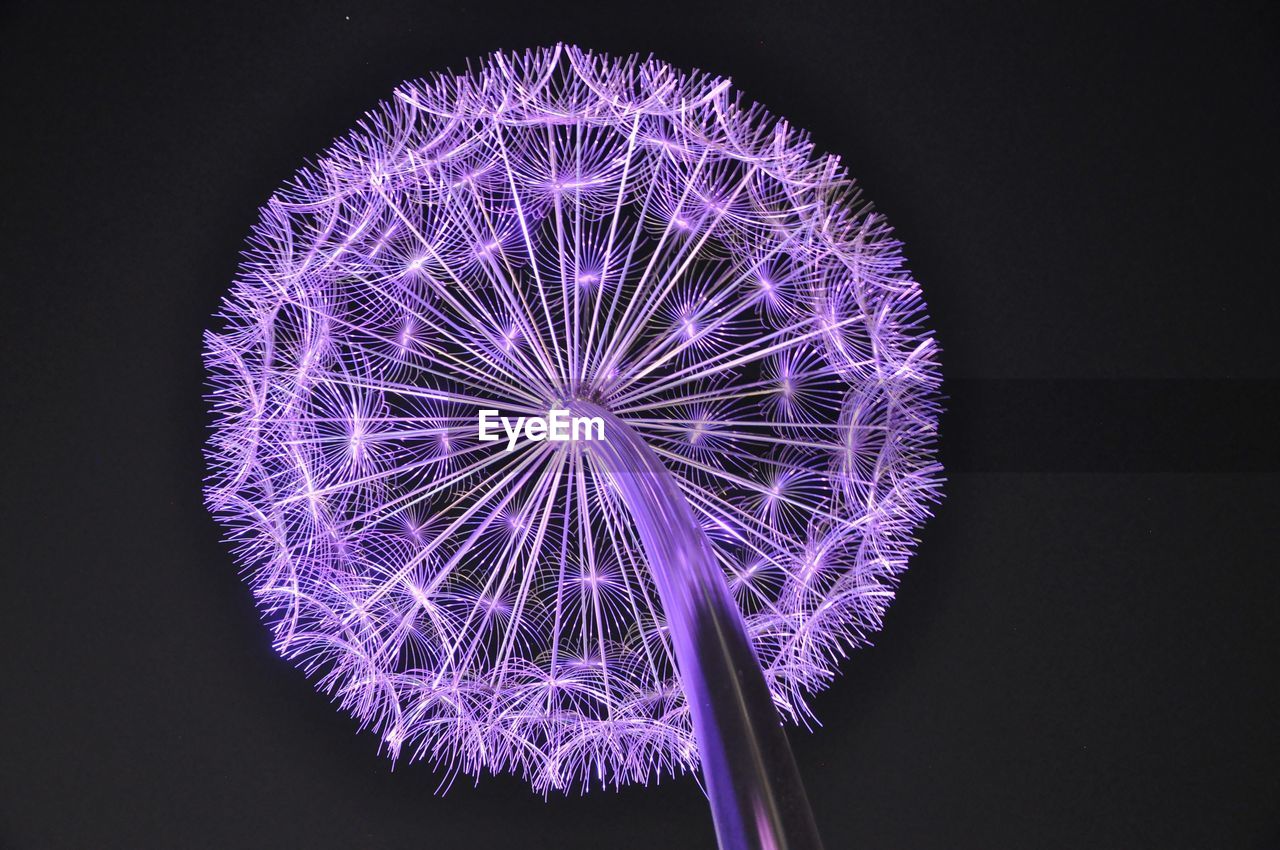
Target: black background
[[1084, 653]]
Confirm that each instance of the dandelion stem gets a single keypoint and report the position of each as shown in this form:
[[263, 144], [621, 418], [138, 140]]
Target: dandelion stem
[[757, 798]]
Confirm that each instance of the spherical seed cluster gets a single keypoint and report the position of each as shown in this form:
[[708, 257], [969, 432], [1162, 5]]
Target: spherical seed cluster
[[550, 226]]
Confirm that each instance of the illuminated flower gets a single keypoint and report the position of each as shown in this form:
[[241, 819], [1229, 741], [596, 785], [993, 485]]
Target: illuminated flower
[[560, 225]]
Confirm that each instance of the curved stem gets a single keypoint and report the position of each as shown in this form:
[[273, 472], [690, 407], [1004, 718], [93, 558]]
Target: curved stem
[[757, 799]]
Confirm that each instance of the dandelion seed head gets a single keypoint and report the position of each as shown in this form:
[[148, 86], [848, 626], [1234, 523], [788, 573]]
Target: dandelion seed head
[[552, 226]]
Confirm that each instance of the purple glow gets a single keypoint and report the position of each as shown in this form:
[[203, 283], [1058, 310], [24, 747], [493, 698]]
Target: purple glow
[[554, 229]]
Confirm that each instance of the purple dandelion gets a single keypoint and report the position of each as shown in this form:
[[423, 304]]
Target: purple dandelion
[[564, 405]]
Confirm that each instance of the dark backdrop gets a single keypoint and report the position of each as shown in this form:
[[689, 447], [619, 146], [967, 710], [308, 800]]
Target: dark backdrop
[[1084, 653]]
